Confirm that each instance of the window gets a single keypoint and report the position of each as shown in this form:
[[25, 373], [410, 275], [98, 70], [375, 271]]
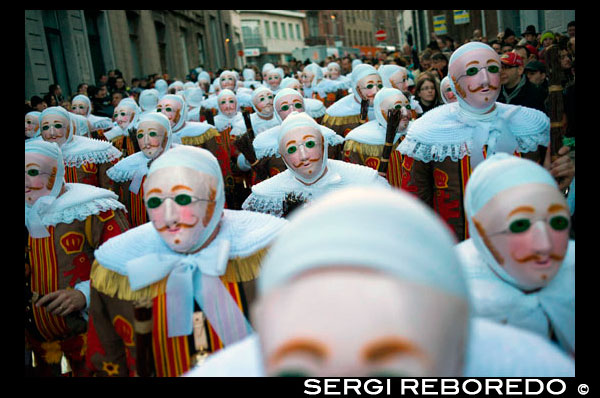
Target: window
[[283, 34], [201, 55], [291, 31], [267, 30], [55, 49], [275, 30], [132, 22], [216, 47], [184, 53], [298, 35], [91, 21]]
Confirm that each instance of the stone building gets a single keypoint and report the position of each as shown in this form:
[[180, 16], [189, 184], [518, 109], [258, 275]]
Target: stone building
[[69, 47]]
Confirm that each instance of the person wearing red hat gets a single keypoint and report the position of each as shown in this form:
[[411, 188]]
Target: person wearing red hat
[[516, 88]]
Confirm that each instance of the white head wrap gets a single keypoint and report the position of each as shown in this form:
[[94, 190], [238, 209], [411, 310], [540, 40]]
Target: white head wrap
[[258, 91], [302, 119], [465, 48], [203, 161], [162, 87], [497, 173], [379, 97], [131, 104], [37, 115], [386, 72], [229, 72], [176, 84], [59, 110], [183, 113], [366, 227], [358, 73], [268, 66], [204, 76], [280, 94], [34, 213], [249, 74], [446, 79], [355, 63], [194, 96], [149, 99], [317, 72], [333, 65], [228, 92], [85, 99], [187, 85]]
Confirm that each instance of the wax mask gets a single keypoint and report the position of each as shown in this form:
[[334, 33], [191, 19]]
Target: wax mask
[[288, 104], [399, 80], [411, 330], [264, 103], [31, 125], [228, 81], [228, 105], [180, 204], [302, 150], [476, 76], [326, 74], [526, 228], [397, 101], [152, 138], [368, 86], [298, 87], [123, 116], [273, 79], [447, 92], [171, 109], [334, 73], [306, 77], [55, 128], [40, 172], [79, 108]]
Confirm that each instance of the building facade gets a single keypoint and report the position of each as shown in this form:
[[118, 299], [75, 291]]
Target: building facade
[[70, 47], [271, 35]]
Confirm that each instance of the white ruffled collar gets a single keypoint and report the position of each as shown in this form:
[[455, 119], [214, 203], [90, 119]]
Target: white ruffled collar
[[246, 232], [126, 168], [82, 150], [236, 122], [268, 196], [371, 133], [115, 132], [77, 203], [192, 129]]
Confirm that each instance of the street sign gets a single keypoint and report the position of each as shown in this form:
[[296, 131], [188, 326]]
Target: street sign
[[461, 17], [380, 35], [439, 25], [241, 53], [251, 52]]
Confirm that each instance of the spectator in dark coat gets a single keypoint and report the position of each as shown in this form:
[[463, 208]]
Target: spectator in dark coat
[[516, 88]]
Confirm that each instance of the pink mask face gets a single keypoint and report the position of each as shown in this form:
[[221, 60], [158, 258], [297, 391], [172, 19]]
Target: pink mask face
[[123, 116], [411, 330], [306, 78], [227, 82], [447, 92], [399, 80], [302, 150], [228, 105], [180, 204], [476, 76], [31, 125], [273, 79], [527, 230], [152, 138], [264, 103], [55, 128], [79, 108], [298, 87], [40, 172], [265, 75], [368, 86], [334, 73], [397, 101], [288, 104], [171, 109]]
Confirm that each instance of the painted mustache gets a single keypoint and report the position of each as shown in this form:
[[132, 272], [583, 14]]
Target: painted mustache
[[178, 225], [301, 163], [34, 188], [536, 257], [491, 87]]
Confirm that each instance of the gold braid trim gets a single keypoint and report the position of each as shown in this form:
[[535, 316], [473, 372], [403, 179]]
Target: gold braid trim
[[201, 139], [363, 149], [244, 269], [239, 269], [329, 120]]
